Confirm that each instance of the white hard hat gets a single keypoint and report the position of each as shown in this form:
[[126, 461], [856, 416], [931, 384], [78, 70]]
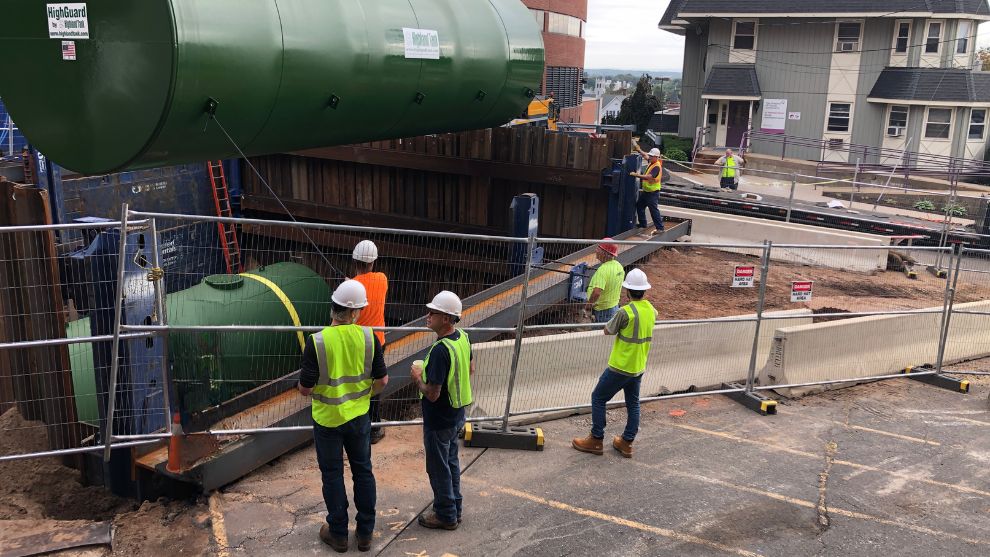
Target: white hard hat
[[446, 302], [350, 294], [654, 152], [636, 280], [366, 251]]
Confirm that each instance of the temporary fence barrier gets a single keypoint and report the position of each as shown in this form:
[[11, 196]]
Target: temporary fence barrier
[[223, 355]]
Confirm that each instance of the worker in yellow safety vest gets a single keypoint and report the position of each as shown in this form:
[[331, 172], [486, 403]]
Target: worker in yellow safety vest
[[444, 383], [633, 330], [728, 166], [342, 367], [649, 195]]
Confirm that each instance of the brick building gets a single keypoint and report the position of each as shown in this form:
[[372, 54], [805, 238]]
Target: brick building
[[563, 23]]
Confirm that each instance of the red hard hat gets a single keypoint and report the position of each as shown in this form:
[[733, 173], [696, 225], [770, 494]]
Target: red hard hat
[[607, 246]]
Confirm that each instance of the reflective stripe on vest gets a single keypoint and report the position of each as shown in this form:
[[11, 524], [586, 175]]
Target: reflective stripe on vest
[[459, 374], [632, 343], [650, 185], [729, 170], [343, 392]]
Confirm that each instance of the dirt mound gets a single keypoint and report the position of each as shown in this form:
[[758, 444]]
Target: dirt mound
[[694, 283], [44, 488]]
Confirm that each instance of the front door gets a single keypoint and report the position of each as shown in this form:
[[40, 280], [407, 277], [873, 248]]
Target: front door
[[738, 123]]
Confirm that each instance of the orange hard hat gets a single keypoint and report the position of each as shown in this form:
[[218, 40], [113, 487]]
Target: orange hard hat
[[607, 246]]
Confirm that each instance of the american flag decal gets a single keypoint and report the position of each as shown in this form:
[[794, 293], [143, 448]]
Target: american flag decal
[[68, 50]]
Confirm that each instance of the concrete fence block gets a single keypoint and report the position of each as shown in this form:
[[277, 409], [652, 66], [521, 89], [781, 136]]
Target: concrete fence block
[[871, 346], [562, 369]]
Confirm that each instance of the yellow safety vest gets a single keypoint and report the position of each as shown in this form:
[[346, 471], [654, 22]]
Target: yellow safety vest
[[459, 374], [651, 185], [345, 353], [632, 343], [729, 170]]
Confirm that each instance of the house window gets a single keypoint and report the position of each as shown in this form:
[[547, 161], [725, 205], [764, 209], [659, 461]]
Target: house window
[[962, 36], [977, 123], [744, 35], [934, 38], [847, 36], [838, 117], [903, 37], [564, 24], [939, 123], [540, 17], [897, 121]]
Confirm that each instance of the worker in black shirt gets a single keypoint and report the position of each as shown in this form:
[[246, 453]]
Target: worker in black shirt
[[446, 390], [342, 367]]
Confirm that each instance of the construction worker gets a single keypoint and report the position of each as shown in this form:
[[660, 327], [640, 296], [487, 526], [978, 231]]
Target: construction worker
[[633, 327], [376, 285], [729, 176], [444, 383], [606, 284], [650, 184], [342, 367]]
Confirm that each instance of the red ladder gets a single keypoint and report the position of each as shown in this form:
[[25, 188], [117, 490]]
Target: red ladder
[[228, 233]]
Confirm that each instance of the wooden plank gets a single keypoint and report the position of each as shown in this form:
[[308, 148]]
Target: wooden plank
[[558, 173], [358, 217], [582, 146]]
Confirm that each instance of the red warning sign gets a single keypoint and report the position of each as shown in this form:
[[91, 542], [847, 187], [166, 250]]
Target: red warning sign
[[801, 290], [744, 276]]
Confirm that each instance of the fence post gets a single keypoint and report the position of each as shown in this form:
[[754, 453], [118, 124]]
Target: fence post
[[790, 199], [950, 298], [520, 328], [115, 347], [156, 276], [855, 184], [764, 270]]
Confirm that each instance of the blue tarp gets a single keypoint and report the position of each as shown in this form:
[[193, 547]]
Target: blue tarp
[[9, 138]]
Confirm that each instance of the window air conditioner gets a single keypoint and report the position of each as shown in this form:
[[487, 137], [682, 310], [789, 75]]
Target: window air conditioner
[[895, 131], [847, 46]]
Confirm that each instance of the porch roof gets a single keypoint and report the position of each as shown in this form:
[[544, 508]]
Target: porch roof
[[732, 81]]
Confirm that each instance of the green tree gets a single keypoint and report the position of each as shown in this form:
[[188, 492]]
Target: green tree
[[638, 108], [983, 55]]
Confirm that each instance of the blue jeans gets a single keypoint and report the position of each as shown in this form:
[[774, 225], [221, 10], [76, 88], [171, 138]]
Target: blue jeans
[[444, 469], [649, 200], [604, 315], [609, 384], [355, 438]]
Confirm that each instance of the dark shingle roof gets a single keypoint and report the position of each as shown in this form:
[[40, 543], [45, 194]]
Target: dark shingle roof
[[932, 84], [733, 80], [885, 8]]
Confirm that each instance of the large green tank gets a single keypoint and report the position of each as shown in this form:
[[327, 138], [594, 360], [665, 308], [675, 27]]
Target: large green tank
[[288, 74], [211, 367]]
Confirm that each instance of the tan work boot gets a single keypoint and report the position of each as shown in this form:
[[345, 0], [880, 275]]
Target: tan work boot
[[587, 444], [623, 446]]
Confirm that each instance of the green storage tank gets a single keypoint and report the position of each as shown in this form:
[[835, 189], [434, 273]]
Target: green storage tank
[[211, 367], [83, 372], [115, 84]]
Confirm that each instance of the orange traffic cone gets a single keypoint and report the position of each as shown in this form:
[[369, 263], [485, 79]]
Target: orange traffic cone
[[174, 446]]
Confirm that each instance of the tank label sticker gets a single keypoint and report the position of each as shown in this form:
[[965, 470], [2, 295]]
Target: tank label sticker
[[67, 21], [422, 43]]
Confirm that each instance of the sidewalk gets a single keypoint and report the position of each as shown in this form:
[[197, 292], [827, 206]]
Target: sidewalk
[[893, 467]]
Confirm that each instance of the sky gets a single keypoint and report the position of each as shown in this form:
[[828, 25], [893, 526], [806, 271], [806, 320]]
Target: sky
[[623, 34]]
